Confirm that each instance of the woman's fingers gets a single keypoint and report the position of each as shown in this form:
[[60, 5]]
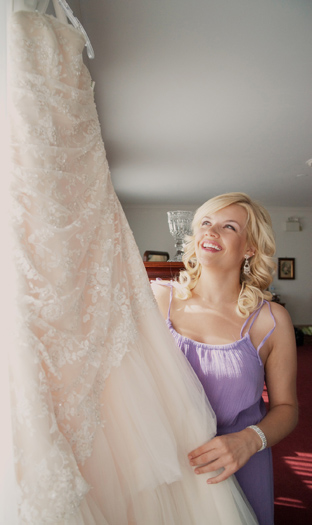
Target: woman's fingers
[[197, 452], [225, 474], [226, 453], [208, 452], [206, 457]]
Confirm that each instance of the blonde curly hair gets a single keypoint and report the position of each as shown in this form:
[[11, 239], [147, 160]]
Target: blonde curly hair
[[259, 235]]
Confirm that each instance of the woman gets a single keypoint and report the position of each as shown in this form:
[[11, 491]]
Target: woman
[[221, 318]]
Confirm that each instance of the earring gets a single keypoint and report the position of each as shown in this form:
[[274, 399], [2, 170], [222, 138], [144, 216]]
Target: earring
[[246, 268]]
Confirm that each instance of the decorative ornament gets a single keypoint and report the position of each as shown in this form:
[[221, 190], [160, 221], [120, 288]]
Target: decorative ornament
[[180, 225], [246, 268]]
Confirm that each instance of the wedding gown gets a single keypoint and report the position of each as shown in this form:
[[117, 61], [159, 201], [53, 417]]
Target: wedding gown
[[105, 409]]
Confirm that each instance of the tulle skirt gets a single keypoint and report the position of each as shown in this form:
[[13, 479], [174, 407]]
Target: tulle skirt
[[155, 414]]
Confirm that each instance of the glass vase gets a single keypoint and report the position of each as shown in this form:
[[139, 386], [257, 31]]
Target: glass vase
[[180, 225]]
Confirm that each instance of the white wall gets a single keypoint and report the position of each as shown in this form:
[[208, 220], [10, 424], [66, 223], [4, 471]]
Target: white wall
[[297, 293], [150, 228]]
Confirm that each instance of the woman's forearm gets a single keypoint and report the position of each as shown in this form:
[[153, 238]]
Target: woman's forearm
[[278, 423]]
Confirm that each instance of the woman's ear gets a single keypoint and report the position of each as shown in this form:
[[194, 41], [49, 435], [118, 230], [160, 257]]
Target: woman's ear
[[250, 251]]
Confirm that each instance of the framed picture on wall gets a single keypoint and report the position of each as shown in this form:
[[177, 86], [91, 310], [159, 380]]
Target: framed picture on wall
[[286, 268]]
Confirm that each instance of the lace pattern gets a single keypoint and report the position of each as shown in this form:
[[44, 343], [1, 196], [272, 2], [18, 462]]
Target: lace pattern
[[82, 281]]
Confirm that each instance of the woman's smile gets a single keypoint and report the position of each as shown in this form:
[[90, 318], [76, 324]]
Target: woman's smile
[[211, 246]]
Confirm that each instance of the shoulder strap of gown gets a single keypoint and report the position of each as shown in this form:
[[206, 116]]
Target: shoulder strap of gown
[[74, 20]]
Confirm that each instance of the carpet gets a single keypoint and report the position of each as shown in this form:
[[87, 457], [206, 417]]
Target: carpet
[[292, 458]]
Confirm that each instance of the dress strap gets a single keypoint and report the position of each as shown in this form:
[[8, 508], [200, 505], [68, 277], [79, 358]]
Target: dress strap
[[254, 316], [270, 331], [74, 20]]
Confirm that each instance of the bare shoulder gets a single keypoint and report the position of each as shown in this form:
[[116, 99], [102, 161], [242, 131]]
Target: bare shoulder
[[284, 334], [161, 291], [282, 337], [281, 315]]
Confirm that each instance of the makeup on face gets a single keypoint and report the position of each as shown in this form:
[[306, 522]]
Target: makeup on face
[[223, 231]]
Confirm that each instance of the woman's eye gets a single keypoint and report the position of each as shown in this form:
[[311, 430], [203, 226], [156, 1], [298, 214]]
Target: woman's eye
[[205, 223], [230, 227]]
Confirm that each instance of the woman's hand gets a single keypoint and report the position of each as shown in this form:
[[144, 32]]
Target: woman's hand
[[228, 452]]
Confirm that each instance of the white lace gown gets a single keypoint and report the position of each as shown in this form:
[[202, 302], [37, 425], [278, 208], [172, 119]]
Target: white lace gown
[[104, 407]]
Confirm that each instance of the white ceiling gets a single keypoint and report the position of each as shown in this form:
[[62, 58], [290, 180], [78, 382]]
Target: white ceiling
[[201, 97]]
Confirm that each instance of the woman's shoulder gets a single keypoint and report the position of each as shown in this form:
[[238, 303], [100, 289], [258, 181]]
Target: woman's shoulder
[[162, 290], [161, 286], [282, 317], [268, 313], [283, 342], [273, 312], [277, 315], [279, 312]]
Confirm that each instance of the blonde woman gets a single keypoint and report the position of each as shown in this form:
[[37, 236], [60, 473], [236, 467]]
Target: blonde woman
[[221, 317]]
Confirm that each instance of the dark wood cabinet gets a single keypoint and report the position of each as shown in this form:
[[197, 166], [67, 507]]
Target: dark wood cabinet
[[164, 270]]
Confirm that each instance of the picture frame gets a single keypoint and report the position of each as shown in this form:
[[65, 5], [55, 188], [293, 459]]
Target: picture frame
[[286, 268], [155, 256]]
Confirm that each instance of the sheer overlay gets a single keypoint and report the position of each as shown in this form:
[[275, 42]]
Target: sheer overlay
[[104, 407]]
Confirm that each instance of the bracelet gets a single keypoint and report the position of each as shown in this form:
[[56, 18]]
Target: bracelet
[[261, 436]]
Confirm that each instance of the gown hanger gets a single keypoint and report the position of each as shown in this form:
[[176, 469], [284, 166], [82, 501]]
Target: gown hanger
[[30, 5], [62, 11], [75, 22]]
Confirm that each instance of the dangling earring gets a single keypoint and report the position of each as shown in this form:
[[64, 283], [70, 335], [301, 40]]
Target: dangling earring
[[246, 268]]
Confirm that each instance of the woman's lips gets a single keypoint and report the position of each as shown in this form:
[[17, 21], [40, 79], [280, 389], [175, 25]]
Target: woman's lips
[[211, 246]]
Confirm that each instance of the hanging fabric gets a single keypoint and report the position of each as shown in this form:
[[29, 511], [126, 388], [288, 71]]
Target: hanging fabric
[[105, 408], [76, 23]]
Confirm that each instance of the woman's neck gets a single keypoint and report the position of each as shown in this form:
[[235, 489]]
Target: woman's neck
[[217, 287]]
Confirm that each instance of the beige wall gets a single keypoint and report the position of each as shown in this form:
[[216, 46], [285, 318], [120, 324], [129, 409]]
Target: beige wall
[[150, 228]]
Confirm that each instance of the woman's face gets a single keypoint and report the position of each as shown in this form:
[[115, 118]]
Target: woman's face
[[221, 238]]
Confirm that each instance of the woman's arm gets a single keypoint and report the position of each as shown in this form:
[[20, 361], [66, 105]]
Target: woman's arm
[[281, 373], [232, 451]]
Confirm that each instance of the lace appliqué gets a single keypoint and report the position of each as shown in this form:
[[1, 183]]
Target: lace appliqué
[[82, 280]]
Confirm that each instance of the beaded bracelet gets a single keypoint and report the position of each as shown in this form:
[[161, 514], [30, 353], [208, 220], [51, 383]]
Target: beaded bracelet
[[261, 436]]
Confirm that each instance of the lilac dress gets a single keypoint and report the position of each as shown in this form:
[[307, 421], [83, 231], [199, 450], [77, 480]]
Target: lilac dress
[[233, 378]]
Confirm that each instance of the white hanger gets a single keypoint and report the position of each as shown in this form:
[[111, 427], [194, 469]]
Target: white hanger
[[30, 5], [70, 15], [65, 11]]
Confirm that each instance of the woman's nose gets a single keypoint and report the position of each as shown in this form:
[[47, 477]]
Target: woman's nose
[[212, 231]]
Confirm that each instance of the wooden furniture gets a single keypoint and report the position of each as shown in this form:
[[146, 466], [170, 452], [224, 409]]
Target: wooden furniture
[[163, 270], [156, 256]]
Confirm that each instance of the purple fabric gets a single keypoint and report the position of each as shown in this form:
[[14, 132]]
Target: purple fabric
[[233, 378]]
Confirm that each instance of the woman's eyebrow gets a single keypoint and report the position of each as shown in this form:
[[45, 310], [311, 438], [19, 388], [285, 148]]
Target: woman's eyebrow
[[241, 226], [226, 220]]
